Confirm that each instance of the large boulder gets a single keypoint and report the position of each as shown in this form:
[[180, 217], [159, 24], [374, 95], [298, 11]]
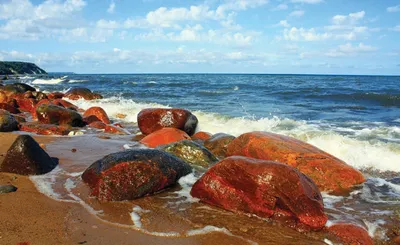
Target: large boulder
[[201, 136], [52, 114], [7, 122], [151, 120], [164, 136], [328, 172], [265, 188], [81, 93], [27, 104], [9, 108], [26, 157], [350, 234], [17, 88], [44, 129], [96, 114], [132, 174], [3, 97], [218, 144], [190, 152], [64, 104]]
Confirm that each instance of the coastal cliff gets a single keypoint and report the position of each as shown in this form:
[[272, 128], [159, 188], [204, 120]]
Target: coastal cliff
[[15, 68]]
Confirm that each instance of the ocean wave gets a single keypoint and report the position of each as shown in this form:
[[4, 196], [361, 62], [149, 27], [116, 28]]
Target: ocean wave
[[357, 150], [48, 81], [381, 99], [77, 81]]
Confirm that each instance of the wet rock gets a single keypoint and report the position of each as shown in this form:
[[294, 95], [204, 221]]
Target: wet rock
[[350, 234], [39, 95], [52, 114], [7, 122], [7, 189], [26, 157], [120, 115], [27, 105], [164, 136], [20, 119], [131, 174], [44, 129], [200, 137], [190, 152], [218, 144], [9, 108], [265, 188], [97, 114], [328, 172], [82, 93], [151, 120], [3, 97], [17, 88], [98, 125], [55, 95], [111, 129], [65, 104], [138, 137]]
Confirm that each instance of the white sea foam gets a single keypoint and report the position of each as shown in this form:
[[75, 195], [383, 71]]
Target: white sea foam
[[328, 242], [77, 81], [48, 81], [374, 228]]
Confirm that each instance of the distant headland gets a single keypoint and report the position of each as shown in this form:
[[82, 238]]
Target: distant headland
[[19, 68]]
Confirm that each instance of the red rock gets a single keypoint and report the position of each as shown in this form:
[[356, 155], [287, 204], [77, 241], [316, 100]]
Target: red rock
[[3, 97], [98, 113], [65, 104], [81, 93], [151, 120], [218, 144], [41, 102], [265, 188], [202, 136], [164, 136], [351, 234], [44, 129], [98, 125], [396, 240], [132, 174], [52, 114], [328, 172], [55, 95], [115, 130], [9, 108], [27, 105], [138, 137]]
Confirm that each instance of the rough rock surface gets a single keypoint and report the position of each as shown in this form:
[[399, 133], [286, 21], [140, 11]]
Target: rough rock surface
[[52, 114], [151, 120], [132, 174], [44, 129], [26, 157], [7, 189], [328, 172], [264, 188], [218, 144], [351, 234], [98, 113], [164, 136], [7, 122], [82, 93]]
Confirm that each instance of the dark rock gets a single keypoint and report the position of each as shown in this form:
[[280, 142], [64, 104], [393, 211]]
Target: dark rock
[[7, 189], [132, 174], [328, 172], [164, 136], [55, 95], [7, 122], [190, 152], [26, 157], [52, 114], [65, 104], [265, 188], [9, 108], [151, 120], [39, 95], [218, 144], [18, 88], [81, 93]]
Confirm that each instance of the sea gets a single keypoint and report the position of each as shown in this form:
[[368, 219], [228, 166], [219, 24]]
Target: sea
[[355, 118]]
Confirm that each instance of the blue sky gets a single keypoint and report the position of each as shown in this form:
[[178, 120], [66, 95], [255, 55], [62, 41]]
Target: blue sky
[[217, 36]]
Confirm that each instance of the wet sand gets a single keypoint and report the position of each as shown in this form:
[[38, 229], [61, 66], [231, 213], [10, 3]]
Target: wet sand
[[30, 216]]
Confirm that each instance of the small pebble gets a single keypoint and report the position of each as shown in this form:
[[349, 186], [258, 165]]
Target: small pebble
[[73, 150], [7, 189]]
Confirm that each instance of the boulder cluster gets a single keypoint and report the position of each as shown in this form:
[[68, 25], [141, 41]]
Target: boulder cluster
[[260, 173]]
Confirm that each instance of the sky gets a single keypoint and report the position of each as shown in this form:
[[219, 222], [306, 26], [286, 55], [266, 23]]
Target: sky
[[206, 36]]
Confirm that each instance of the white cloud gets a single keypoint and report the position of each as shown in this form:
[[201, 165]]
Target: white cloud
[[349, 49], [396, 28], [393, 9], [307, 1], [282, 6], [349, 19], [301, 34], [297, 13], [111, 8], [284, 23]]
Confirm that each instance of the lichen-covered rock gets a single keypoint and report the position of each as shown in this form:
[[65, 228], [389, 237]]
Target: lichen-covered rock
[[218, 144], [44, 129], [190, 152], [7, 122], [26, 157], [7, 189], [39, 95], [151, 120], [96, 114], [328, 172], [265, 188], [82, 93], [132, 174], [164, 136], [350, 234], [52, 114]]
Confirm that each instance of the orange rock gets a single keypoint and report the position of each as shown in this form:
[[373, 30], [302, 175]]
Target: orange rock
[[65, 104], [115, 130], [164, 136], [97, 112], [44, 129], [203, 136], [55, 95], [351, 234], [218, 144], [328, 172], [81, 93], [3, 97], [98, 125], [27, 104], [120, 115]]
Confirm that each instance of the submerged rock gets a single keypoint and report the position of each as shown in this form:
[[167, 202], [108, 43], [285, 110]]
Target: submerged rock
[[350, 234], [26, 157], [164, 136], [7, 122], [82, 93], [218, 144], [265, 188], [96, 114], [131, 174], [190, 152], [7, 189], [52, 114], [151, 120], [328, 172]]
